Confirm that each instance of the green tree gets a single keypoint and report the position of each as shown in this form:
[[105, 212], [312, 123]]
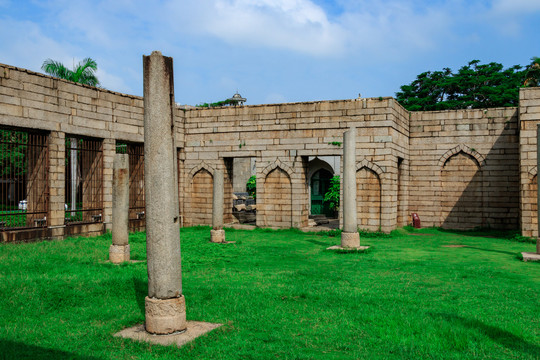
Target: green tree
[[83, 73], [472, 86], [532, 75], [12, 153], [332, 195], [251, 186]]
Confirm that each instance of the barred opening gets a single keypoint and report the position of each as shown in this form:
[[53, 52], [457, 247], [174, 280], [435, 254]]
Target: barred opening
[[84, 180], [24, 189]]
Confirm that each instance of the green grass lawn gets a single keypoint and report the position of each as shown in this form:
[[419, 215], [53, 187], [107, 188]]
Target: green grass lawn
[[280, 295]]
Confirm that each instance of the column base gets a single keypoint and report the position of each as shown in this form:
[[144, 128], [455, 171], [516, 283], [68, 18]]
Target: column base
[[163, 317], [217, 236], [529, 256], [350, 240], [119, 253]]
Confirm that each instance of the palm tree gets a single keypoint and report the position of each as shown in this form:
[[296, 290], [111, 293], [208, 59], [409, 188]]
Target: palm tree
[[83, 73]]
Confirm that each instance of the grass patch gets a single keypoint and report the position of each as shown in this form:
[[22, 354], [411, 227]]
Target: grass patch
[[280, 295]]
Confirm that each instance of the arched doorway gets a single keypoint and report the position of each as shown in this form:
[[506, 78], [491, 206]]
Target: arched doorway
[[320, 183]]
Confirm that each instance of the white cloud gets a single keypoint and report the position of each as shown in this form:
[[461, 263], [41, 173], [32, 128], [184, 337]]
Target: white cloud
[[275, 98], [516, 6], [112, 82], [25, 45], [263, 45], [510, 17], [297, 25]]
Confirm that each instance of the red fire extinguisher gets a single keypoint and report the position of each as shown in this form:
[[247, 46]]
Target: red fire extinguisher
[[416, 221]]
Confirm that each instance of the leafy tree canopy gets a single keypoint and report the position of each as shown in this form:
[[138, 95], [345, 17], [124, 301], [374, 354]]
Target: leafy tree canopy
[[332, 195], [532, 75], [83, 73], [472, 86]]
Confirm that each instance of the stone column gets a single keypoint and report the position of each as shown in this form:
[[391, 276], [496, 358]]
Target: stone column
[[119, 250], [165, 308], [57, 184], [349, 237], [217, 234]]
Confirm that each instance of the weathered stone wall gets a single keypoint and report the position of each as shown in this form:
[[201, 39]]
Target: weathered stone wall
[[30, 100], [529, 117], [284, 136], [456, 169], [464, 168]]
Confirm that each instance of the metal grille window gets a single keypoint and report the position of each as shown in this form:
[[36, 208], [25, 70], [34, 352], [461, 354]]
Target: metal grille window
[[84, 180], [24, 190], [136, 178]]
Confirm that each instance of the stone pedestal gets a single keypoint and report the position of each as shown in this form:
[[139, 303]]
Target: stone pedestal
[[350, 240], [166, 316], [119, 253], [217, 236]]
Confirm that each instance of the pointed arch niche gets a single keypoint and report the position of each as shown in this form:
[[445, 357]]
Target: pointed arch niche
[[201, 192], [368, 195], [461, 189], [276, 209]]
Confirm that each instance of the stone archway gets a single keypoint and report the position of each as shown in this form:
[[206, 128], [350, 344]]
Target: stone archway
[[277, 199], [461, 194], [368, 194], [201, 198], [319, 185], [319, 175]]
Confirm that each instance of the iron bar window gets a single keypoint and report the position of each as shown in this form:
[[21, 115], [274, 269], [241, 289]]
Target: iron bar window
[[24, 188], [84, 180], [136, 178]]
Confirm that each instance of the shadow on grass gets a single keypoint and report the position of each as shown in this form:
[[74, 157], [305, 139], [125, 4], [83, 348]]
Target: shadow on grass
[[503, 337], [491, 250], [17, 350], [141, 290], [316, 242]]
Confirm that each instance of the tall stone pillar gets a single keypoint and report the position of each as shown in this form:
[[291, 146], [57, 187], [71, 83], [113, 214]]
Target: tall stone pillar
[[165, 308], [349, 237], [217, 234], [119, 250]]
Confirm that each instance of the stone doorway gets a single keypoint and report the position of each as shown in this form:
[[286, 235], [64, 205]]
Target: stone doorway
[[320, 183]]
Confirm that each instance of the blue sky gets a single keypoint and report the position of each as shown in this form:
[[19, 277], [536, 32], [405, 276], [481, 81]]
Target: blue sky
[[270, 50]]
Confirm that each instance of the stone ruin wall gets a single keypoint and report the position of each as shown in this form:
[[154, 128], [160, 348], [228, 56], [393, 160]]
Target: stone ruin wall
[[406, 162], [465, 168], [281, 137], [30, 100], [529, 117]]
